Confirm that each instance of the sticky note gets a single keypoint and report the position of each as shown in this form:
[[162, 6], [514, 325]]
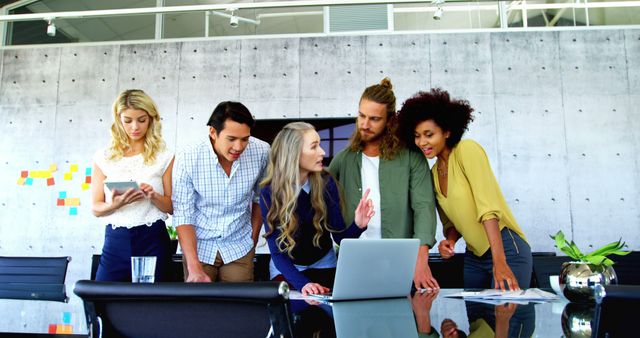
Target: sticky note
[[73, 168], [60, 202], [50, 181], [21, 180], [68, 176], [62, 194], [73, 211], [87, 179], [87, 172], [86, 186], [74, 202], [24, 173], [53, 167], [52, 328], [28, 181], [66, 329], [39, 174], [66, 318]]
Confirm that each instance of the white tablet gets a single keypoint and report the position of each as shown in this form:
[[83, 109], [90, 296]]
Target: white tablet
[[121, 187]]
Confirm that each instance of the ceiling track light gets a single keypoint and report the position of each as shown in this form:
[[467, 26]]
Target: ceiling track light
[[437, 15], [233, 20], [51, 28]]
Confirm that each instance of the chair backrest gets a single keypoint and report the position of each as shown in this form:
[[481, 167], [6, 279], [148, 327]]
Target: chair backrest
[[448, 272], [627, 268], [545, 265], [616, 310], [37, 278], [186, 309]]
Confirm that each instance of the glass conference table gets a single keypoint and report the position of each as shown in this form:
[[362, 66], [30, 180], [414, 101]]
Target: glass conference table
[[422, 315]]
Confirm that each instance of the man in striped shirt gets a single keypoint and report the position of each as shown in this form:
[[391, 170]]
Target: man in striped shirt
[[215, 198]]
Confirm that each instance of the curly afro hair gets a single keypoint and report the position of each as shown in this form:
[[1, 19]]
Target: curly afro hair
[[450, 115]]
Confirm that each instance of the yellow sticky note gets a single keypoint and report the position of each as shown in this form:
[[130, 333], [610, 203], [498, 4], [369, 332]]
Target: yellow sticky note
[[21, 180], [39, 173], [68, 176], [74, 168], [86, 186], [72, 202], [53, 167]]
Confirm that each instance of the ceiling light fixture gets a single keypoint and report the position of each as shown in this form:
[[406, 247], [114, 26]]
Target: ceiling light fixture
[[233, 20], [437, 15], [51, 28]]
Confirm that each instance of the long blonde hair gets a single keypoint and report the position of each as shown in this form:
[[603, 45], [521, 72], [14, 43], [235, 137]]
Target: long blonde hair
[[153, 142], [383, 94], [283, 173]]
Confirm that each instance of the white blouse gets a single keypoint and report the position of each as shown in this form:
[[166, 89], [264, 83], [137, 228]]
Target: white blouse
[[133, 169]]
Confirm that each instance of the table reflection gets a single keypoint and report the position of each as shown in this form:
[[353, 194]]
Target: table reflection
[[428, 314]]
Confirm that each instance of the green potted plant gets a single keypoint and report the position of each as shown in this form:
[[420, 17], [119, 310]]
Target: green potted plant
[[173, 236], [579, 277]]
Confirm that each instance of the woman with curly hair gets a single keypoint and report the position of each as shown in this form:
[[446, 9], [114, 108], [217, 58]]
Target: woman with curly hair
[[469, 199], [135, 218], [302, 211]]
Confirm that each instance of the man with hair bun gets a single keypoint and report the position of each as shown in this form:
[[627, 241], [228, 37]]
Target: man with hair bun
[[401, 191]]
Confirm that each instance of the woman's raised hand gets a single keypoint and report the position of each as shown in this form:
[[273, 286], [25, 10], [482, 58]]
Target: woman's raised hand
[[364, 211]]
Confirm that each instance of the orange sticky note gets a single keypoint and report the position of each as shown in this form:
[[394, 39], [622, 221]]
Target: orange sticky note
[[68, 176], [50, 181], [87, 179], [21, 180], [60, 202], [85, 186], [59, 328], [24, 173], [73, 168], [66, 329]]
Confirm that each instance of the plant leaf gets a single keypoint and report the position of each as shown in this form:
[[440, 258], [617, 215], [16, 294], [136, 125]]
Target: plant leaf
[[575, 249], [596, 260], [604, 250]]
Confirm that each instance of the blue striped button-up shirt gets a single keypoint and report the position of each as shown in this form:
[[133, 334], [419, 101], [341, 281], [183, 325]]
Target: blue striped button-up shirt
[[217, 205]]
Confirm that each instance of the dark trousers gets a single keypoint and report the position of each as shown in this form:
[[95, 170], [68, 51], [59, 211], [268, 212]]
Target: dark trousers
[[122, 243], [478, 271]]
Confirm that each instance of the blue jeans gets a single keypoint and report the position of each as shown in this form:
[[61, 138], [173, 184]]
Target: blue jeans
[[122, 243], [478, 271]]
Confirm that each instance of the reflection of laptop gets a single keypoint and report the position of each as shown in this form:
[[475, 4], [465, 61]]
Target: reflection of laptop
[[374, 268], [389, 318]]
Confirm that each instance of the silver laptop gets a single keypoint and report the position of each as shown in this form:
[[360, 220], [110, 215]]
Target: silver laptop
[[378, 318], [374, 268]]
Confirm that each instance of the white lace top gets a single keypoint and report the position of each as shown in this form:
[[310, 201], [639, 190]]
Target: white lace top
[[133, 169]]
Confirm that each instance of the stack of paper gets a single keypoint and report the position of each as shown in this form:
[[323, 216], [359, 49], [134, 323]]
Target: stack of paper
[[495, 296]]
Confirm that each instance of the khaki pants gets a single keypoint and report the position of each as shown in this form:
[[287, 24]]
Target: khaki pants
[[240, 270]]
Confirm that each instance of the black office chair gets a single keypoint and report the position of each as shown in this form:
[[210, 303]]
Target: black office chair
[[628, 268], [616, 310], [545, 265], [448, 272], [186, 309], [33, 278]]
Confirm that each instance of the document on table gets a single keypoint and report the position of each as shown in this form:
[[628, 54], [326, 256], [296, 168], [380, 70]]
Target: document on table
[[494, 295]]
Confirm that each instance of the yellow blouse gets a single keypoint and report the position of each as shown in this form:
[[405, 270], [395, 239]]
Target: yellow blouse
[[473, 196]]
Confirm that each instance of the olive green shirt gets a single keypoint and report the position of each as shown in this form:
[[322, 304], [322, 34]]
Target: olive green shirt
[[407, 203]]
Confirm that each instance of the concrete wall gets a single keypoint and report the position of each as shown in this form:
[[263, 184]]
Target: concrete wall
[[555, 110]]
